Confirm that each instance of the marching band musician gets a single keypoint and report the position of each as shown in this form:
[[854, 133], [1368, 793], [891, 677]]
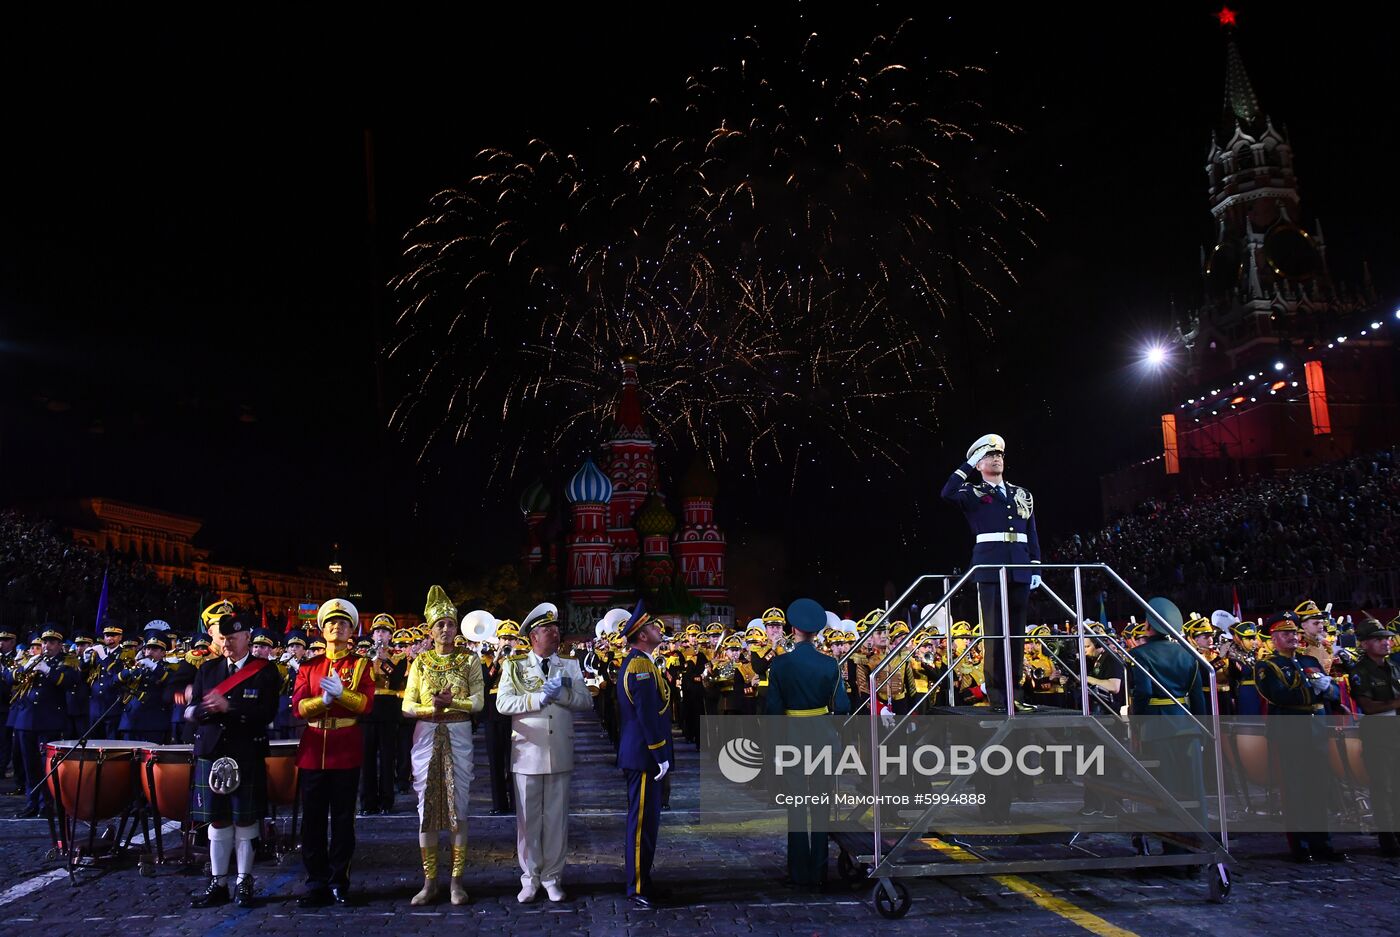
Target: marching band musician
[[332, 692], [80, 693], [288, 724], [1002, 518], [404, 643], [1243, 654], [691, 683], [8, 640], [146, 716], [1200, 632], [540, 692], [444, 689], [106, 662], [1312, 631], [733, 680], [967, 673], [926, 667], [231, 702], [41, 687], [389, 671], [498, 723]]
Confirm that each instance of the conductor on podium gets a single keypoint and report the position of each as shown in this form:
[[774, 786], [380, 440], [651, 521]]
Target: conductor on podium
[[1002, 518], [801, 684]]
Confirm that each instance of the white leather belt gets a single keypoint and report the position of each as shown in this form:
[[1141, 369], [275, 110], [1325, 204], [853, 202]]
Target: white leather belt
[[1001, 538]]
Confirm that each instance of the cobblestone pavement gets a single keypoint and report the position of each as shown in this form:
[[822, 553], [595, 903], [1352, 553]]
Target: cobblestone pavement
[[724, 874]]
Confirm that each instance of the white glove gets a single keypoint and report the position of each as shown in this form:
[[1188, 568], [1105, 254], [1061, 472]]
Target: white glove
[[1035, 580], [147, 663], [664, 767], [42, 666], [887, 717], [331, 684], [1321, 683], [552, 688]]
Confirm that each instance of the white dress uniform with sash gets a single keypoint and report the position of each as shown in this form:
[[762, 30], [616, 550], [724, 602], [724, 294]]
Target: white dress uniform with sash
[[542, 759]]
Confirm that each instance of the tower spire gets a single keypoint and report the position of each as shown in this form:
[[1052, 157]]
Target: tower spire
[[629, 404], [1241, 104]]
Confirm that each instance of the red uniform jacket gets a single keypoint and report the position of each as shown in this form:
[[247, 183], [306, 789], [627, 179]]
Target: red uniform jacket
[[332, 738]]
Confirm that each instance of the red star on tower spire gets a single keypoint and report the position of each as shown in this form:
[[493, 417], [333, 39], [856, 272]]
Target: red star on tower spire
[[1226, 16]]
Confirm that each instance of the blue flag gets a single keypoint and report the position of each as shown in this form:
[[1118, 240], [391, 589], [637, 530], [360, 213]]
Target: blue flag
[[102, 605]]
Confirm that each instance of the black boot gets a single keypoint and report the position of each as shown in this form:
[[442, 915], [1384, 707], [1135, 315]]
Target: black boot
[[213, 896], [243, 892]]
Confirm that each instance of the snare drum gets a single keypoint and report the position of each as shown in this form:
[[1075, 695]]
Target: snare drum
[[282, 771], [166, 775], [97, 781]]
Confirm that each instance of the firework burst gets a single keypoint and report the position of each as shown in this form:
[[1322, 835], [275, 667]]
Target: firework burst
[[785, 246]]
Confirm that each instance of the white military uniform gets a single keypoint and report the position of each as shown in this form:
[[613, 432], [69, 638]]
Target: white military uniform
[[542, 759]]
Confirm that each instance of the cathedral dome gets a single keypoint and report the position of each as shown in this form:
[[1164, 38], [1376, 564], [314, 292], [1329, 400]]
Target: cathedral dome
[[535, 499], [699, 481], [654, 520], [589, 484]]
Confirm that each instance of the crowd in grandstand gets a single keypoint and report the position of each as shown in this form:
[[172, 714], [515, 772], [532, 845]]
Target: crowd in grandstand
[[45, 576], [1343, 517]]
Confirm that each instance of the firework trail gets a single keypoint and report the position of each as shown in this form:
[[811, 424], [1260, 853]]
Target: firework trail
[[785, 245]]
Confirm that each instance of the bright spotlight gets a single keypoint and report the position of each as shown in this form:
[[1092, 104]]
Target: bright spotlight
[[1278, 365], [1156, 356]]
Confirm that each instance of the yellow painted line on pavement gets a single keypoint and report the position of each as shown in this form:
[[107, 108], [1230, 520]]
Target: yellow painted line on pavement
[[1068, 910]]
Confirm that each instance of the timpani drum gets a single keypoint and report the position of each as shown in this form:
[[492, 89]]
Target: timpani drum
[[282, 771], [167, 774], [96, 781], [1354, 769]]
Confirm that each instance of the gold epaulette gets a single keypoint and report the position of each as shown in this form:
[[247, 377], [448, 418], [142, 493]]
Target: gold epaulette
[[518, 657], [640, 665]]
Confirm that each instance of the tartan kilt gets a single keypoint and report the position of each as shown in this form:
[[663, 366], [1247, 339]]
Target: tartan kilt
[[245, 806]]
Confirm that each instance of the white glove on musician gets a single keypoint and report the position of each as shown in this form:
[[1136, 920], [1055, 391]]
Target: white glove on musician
[[42, 666], [664, 767]]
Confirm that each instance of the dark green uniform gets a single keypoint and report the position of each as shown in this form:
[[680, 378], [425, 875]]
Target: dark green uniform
[[801, 683], [1297, 749], [1380, 742], [1171, 737]]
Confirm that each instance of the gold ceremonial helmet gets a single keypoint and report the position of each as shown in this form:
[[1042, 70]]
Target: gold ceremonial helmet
[[732, 642], [774, 615], [1308, 609], [384, 620], [438, 606], [714, 627], [213, 613], [899, 629], [507, 629], [1197, 624], [693, 630]]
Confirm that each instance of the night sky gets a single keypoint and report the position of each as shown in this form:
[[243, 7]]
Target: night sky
[[192, 295]]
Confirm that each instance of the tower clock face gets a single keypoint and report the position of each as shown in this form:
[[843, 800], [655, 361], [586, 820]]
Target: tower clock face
[[1290, 253], [1223, 267]]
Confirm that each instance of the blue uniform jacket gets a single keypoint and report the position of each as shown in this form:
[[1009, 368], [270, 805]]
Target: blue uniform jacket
[[45, 707], [147, 710], [804, 680], [1003, 529], [644, 708], [105, 687]]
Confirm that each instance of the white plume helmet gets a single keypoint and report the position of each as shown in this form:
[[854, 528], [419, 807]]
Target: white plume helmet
[[157, 625], [480, 626]]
